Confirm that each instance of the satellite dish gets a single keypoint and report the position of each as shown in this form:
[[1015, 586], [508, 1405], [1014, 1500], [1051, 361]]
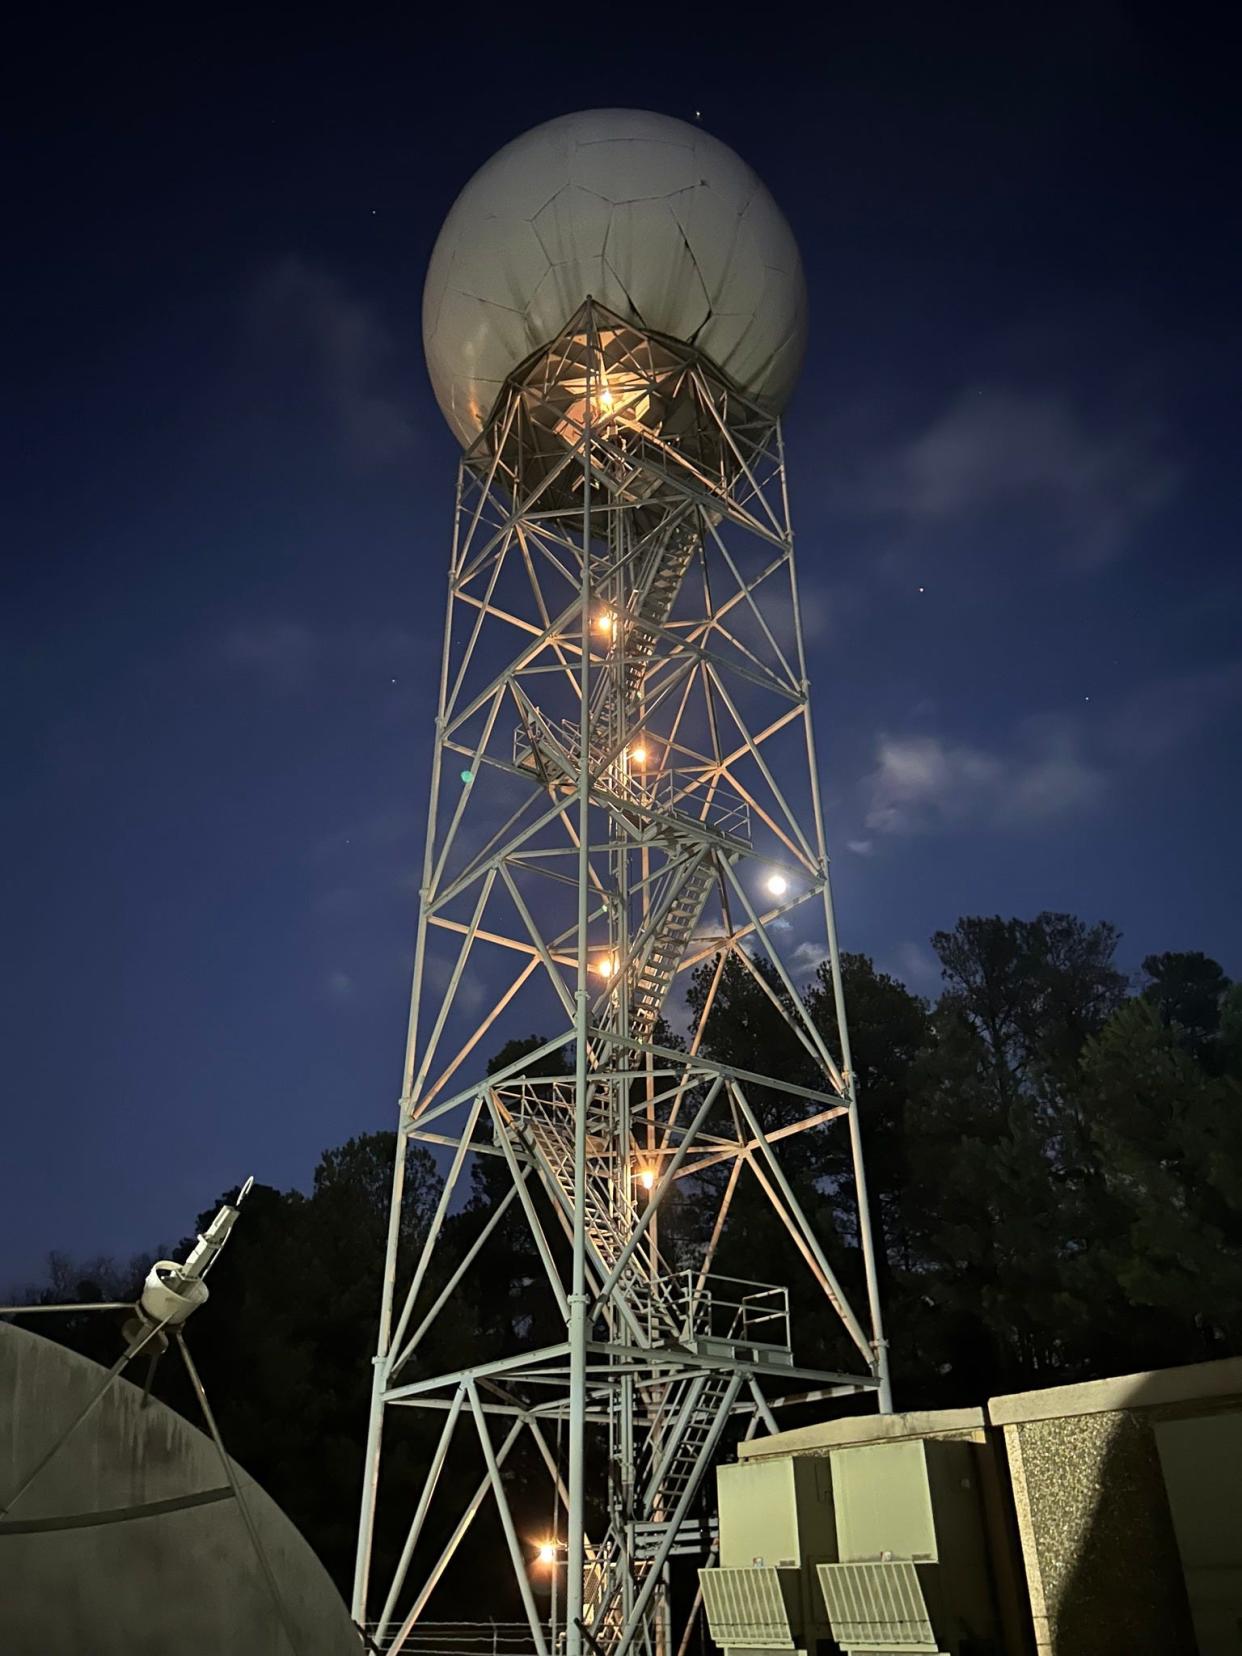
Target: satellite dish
[[653, 218], [129, 1542]]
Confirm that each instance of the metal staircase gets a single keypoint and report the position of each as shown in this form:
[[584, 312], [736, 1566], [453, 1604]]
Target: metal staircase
[[648, 611], [655, 964], [682, 1422], [545, 1129], [675, 1454], [678, 1433], [695, 829]]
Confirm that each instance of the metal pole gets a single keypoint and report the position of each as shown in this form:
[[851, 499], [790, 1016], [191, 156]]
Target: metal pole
[[575, 1539], [762, 1412], [424, 1501], [230, 1472], [674, 1523], [497, 1214], [436, 1226], [556, 1570], [506, 1520], [662, 1187], [528, 1208], [451, 1545], [795, 1207], [383, 1338], [92, 1305], [714, 1550], [379, 1381], [131, 1350], [862, 1201], [879, 1343], [383, 1342]]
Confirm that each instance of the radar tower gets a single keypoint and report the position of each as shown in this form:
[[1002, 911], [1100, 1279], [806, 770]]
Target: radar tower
[[624, 790]]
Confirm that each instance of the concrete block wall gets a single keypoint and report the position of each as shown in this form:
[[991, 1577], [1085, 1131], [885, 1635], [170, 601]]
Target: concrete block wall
[[1130, 1523]]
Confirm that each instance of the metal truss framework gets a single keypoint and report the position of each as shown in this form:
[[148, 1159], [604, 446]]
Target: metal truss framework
[[624, 788]]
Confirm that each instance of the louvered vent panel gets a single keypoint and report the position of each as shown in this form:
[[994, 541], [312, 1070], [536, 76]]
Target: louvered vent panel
[[749, 1608], [877, 1607]]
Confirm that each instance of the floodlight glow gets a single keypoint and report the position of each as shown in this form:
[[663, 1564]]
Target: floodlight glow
[[605, 622], [647, 1179], [547, 1552], [778, 885], [638, 755], [606, 967]]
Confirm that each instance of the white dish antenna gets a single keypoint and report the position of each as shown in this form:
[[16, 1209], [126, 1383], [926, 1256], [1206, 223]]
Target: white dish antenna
[[653, 218]]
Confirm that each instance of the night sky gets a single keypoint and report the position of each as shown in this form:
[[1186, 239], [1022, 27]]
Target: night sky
[[228, 493]]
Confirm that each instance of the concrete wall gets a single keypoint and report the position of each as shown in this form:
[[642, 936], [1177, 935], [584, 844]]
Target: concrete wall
[[1114, 1566], [103, 1557]]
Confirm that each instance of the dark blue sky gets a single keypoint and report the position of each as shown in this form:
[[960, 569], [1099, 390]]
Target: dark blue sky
[[228, 493]]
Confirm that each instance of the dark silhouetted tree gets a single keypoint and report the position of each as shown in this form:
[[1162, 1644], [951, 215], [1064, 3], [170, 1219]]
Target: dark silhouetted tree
[[1188, 991]]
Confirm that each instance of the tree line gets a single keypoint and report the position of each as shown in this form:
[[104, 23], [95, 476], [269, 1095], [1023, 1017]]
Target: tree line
[[1054, 1156]]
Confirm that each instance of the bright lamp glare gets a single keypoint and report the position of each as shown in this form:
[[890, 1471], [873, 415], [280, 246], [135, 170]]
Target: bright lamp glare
[[638, 755], [778, 885], [605, 622], [547, 1552], [647, 1179], [606, 966]]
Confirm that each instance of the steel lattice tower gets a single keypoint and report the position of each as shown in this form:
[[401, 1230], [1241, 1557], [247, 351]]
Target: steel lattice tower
[[624, 773]]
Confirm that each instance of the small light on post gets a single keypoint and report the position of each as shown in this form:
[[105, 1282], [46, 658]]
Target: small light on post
[[778, 885], [647, 1179], [605, 622]]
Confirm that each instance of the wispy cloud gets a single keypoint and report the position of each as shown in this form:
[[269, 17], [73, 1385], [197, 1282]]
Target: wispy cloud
[[828, 609], [340, 902], [916, 966], [477, 984], [1085, 485], [366, 838], [1162, 715], [1057, 766], [807, 958], [925, 783], [289, 655], [282, 653], [351, 352]]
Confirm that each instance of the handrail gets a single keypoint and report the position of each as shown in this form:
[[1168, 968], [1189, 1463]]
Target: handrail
[[758, 1318], [724, 812]]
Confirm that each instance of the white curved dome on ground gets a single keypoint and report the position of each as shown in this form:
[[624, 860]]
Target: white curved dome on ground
[[652, 217], [128, 1543]]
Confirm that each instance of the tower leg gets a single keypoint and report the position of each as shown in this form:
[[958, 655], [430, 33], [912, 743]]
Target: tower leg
[[379, 1380]]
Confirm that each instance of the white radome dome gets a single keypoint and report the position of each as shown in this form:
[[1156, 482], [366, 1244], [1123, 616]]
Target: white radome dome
[[654, 218]]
